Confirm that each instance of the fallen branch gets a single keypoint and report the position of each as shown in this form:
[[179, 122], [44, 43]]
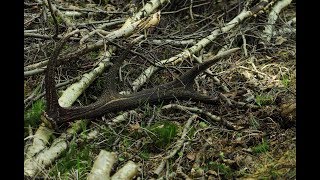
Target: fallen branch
[[33, 72], [128, 171], [287, 28], [102, 166], [58, 13], [43, 36], [36, 65], [273, 16], [214, 118], [192, 109], [142, 79], [172, 42], [127, 28]]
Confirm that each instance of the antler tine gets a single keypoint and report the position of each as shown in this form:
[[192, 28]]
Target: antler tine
[[51, 97]]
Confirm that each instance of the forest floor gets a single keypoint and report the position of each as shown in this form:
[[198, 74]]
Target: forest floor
[[257, 142]]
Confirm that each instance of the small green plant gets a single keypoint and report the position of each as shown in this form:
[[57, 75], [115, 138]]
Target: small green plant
[[203, 125], [32, 115], [221, 155], [126, 142], [221, 169], [144, 155], [285, 80], [94, 54], [264, 99], [261, 148], [162, 133]]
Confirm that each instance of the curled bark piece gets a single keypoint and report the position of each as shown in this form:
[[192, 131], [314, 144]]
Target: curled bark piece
[[102, 166]]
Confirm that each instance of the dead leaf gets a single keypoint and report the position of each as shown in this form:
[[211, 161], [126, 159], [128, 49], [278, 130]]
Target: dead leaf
[[212, 172], [280, 40], [134, 127], [191, 156]]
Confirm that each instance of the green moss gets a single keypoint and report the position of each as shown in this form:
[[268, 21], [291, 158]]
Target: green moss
[[162, 133]]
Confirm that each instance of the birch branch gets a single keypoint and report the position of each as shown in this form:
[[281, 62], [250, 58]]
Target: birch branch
[[192, 109], [144, 76], [102, 166], [287, 28], [127, 172], [127, 28], [273, 16]]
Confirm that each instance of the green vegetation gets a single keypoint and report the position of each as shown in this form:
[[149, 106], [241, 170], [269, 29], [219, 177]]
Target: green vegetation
[[264, 99], [285, 80], [270, 167], [162, 133], [203, 125], [221, 169], [254, 123], [93, 54], [32, 115], [76, 158], [144, 155], [261, 148]]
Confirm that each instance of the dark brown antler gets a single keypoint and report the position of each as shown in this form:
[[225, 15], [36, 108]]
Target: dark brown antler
[[112, 102]]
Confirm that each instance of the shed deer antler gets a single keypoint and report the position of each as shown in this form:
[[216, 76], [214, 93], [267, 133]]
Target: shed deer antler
[[112, 101]]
